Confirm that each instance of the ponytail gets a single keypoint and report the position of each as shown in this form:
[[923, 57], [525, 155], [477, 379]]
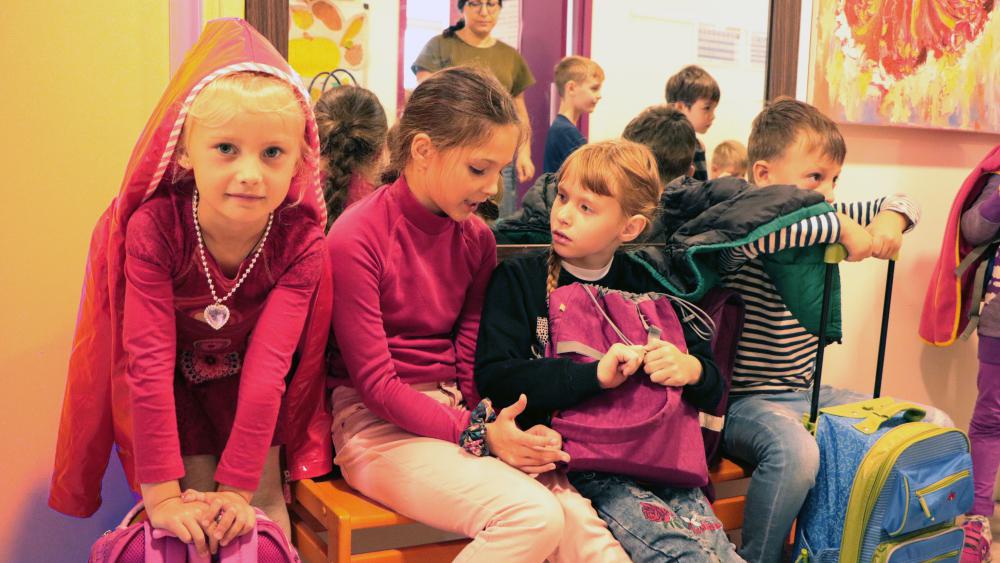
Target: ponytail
[[450, 30]]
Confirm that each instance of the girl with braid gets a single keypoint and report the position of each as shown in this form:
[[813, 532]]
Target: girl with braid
[[352, 131], [606, 196]]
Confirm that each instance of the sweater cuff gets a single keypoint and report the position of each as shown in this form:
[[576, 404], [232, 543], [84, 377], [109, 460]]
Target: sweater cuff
[[990, 209], [236, 479], [583, 379], [159, 473], [904, 206], [706, 382]]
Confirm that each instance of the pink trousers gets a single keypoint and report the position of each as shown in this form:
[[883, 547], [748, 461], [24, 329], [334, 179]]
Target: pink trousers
[[510, 516]]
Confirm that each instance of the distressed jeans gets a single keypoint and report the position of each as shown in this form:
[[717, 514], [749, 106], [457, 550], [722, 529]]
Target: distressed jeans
[[657, 524]]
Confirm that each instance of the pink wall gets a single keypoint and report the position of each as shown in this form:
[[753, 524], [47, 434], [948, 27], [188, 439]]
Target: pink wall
[[543, 43], [929, 165]]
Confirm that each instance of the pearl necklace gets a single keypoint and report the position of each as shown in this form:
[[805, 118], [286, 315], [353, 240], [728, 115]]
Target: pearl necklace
[[217, 314]]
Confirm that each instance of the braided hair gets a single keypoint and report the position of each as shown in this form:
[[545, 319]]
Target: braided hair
[[352, 131]]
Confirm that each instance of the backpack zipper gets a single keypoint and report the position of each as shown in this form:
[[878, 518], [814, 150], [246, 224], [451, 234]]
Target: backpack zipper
[[862, 498], [933, 488]]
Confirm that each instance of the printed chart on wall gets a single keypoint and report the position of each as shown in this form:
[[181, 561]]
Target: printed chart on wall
[[327, 37], [918, 63], [508, 28]]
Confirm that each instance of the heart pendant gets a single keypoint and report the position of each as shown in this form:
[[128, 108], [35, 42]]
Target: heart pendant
[[216, 315]]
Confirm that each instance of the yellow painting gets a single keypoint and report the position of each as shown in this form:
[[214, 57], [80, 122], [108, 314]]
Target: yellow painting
[[325, 35], [920, 63]]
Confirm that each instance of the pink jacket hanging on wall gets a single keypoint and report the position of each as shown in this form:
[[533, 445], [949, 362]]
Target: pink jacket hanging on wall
[[949, 298]]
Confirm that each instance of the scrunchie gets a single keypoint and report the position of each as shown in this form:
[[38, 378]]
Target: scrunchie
[[473, 438]]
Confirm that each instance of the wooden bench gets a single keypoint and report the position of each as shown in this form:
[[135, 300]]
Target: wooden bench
[[326, 514]]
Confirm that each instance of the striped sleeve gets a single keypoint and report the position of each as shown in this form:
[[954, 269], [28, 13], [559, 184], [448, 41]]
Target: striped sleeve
[[820, 229], [863, 212]]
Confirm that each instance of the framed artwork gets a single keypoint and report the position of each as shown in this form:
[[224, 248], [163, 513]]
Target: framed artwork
[[327, 35], [918, 63]]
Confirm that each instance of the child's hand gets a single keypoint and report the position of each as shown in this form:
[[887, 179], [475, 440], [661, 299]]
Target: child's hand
[[855, 239], [229, 515], [886, 230], [183, 519], [524, 167], [532, 452], [618, 364], [670, 367]]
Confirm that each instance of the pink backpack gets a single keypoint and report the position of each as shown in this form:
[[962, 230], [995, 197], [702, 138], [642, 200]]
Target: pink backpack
[[141, 543], [640, 429]]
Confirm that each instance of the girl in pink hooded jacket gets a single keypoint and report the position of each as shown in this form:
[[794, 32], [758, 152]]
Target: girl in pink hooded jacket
[[206, 308]]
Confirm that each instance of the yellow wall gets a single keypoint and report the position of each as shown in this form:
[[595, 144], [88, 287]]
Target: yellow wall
[[79, 82]]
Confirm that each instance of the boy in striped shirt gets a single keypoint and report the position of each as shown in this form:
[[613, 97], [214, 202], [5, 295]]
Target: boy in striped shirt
[[792, 143]]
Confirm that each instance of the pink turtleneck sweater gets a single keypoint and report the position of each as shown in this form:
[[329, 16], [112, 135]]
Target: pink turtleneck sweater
[[408, 289]]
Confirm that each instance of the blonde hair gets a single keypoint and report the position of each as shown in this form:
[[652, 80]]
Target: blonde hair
[[577, 69], [232, 94], [730, 156], [622, 169]]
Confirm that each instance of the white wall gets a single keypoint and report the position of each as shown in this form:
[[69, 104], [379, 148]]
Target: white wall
[[641, 43], [384, 45]]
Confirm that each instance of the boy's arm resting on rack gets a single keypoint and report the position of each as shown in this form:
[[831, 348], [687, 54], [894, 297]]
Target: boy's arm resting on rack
[[820, 229], [885, 219]]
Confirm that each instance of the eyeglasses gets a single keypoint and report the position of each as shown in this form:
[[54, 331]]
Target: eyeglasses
[[490, 6]]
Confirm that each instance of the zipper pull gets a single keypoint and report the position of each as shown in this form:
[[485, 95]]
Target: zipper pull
[[923, 504]]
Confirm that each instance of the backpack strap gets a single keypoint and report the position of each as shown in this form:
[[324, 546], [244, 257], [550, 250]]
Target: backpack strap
[[971, 257], [978, 289], [245, 548], [130, 515], [571, 347], [164, 547]]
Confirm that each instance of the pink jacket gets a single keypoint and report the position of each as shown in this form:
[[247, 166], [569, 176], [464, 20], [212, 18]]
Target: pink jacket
[[96, 412], [949, 298]]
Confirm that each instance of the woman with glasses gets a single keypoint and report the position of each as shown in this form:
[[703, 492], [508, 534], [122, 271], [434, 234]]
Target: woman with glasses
[[470, 42]]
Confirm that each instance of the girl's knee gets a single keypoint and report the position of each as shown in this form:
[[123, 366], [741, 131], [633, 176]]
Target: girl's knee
[[541, 515]]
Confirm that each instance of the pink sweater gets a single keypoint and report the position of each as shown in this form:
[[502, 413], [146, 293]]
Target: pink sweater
[[165, 294], [408, 289]]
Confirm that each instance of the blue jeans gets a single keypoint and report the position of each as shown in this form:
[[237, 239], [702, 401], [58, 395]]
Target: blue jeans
[[508, 204], [766, 432], [657, 523]]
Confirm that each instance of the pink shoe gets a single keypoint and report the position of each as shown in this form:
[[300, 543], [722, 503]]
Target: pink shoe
[[977, 539]]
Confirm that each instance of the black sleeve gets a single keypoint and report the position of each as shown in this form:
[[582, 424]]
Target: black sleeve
[[505, 363], [704, 394]]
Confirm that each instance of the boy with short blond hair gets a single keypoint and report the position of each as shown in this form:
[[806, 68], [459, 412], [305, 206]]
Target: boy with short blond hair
[[696, 94], [792, 143], [728, 159], [578, 82]]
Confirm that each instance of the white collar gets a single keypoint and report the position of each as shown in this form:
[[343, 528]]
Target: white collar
[[588, 275]]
